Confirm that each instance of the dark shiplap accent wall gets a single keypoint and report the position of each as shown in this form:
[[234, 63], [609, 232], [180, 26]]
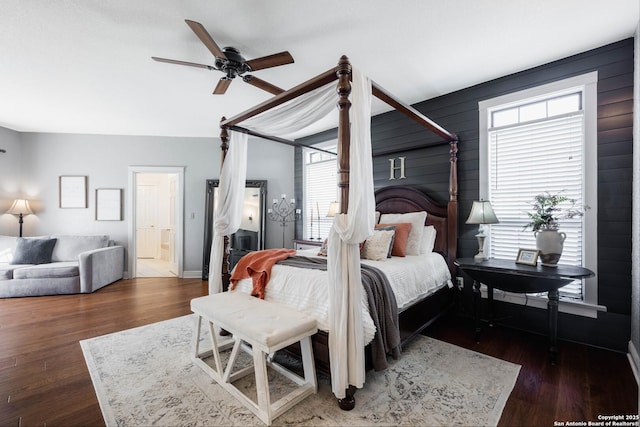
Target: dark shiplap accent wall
[[427, 168]]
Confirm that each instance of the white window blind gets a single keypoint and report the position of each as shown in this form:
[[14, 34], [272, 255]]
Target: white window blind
[[320, 189], [536, 152]]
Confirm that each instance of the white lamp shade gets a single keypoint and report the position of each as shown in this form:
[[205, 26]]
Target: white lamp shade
[[20, 206], [334, 207], [482, 213]]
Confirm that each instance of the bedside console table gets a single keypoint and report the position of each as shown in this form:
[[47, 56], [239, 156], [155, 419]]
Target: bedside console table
[[511, 277], [299, 244]]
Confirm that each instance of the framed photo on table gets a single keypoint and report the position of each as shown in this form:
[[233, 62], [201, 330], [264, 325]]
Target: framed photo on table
[[108, 204], [73, 191], [527, 257]]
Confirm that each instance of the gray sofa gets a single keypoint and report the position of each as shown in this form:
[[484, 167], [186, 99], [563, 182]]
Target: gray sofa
[[58, 264]]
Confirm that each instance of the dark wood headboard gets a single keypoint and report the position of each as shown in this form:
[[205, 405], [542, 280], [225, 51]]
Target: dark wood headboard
[[400, 199]]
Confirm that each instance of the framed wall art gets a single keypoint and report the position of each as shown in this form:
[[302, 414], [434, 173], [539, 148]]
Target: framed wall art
[[73, 191], [109, 204]]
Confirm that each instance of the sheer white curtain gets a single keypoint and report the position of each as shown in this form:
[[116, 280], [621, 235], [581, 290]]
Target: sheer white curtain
[[346, 341], [287, 118], [228, 213]]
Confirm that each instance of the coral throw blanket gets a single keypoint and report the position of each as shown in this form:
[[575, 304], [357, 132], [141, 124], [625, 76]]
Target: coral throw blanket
[[257, 265]]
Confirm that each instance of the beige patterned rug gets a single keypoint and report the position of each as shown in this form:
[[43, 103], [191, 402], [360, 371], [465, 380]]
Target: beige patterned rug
[[145, 377]]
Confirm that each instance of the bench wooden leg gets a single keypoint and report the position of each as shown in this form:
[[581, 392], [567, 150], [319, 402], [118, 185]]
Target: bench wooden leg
[[195, 339], [262, 384], [308, 363]]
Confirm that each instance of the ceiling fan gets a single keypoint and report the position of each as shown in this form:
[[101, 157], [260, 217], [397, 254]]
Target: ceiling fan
[[230, 61]]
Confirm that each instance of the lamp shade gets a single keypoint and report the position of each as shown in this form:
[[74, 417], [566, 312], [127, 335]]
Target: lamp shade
[[334, 207], [482, 213], [20, 206]]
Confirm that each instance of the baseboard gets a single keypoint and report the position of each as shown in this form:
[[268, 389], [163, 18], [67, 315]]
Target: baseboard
[[192, 274], [634, 361]]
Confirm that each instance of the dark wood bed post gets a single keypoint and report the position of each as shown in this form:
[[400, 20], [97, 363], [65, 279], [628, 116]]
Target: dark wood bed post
[[343, 71], [226, 275], [452, 206]]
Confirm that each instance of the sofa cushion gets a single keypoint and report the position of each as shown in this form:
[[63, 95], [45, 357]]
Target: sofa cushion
[[47, 271], [33, 251], [69, 247], [6, 270]]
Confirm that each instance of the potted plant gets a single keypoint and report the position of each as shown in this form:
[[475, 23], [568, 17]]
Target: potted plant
[[544, 222]]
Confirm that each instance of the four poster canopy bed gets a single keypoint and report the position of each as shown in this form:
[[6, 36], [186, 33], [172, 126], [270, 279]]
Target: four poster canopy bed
[[345, 320]]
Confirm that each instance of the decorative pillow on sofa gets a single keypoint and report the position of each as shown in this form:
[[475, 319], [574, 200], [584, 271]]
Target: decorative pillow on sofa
[[417, 220], [378, 246], [7, 248], [33, 251], [69, 247], [400, 238]]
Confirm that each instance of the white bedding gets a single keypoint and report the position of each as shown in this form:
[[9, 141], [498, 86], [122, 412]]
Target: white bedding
[[412, 278]]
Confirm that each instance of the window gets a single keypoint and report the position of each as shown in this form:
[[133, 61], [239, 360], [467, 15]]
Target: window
[[535, 141], [320, 189]]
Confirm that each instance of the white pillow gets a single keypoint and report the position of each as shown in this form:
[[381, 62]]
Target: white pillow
[[428, 239], [378, 245], [417, 220]]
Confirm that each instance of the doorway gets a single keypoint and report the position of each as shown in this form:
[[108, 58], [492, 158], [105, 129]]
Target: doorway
[[155, 234]]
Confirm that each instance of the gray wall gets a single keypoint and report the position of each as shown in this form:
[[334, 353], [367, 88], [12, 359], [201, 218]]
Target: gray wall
[[10, 176], [34, 161]]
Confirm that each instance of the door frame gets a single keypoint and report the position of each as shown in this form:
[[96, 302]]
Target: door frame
[[178, 225]]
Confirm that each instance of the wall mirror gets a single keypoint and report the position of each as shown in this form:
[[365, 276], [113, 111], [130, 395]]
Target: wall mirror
[[250, 235]]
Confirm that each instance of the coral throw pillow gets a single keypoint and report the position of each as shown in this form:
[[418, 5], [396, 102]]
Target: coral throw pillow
[[400, 239]]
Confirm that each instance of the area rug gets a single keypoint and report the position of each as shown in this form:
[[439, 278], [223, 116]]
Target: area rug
[[145, 377]]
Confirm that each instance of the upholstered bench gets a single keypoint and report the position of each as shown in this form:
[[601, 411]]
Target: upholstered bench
[[267, 327]]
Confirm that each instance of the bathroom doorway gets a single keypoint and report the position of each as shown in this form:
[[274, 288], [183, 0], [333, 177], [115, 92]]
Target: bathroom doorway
[[155, 235]]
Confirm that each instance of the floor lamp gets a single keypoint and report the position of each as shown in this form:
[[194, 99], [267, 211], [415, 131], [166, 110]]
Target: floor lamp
[[21, 208]]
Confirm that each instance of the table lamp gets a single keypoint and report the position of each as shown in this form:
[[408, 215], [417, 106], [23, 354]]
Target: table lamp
[[21, 208], [334, 209], [481, 213]]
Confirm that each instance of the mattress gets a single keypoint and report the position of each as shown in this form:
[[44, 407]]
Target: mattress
[[412, 279]]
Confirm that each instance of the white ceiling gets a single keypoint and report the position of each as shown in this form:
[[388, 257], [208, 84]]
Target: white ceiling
[[84, 66]]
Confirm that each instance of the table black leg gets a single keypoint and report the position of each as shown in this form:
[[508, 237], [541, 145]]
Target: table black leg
[[490, 304], [476, 308], [552, 309]]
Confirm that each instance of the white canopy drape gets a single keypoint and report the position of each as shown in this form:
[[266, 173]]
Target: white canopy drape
[[346, 342], [228, 214]]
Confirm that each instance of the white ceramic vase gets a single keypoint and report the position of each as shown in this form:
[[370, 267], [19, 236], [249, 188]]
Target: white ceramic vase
[[550, 244]]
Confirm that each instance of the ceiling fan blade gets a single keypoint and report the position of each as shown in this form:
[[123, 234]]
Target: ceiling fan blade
[[206, 38], [259, 83], [190, 64], [222, 86], [269, 61]]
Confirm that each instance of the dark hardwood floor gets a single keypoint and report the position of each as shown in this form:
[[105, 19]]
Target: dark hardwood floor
[[585, 381], [44, 380]]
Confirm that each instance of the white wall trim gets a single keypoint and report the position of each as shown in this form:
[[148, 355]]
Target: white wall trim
[[192, 274], [564, 306], [634, 344], [588, 84], [179, 214], [634, 361]]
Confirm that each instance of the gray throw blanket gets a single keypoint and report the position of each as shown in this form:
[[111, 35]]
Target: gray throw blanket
[[383, 308]]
